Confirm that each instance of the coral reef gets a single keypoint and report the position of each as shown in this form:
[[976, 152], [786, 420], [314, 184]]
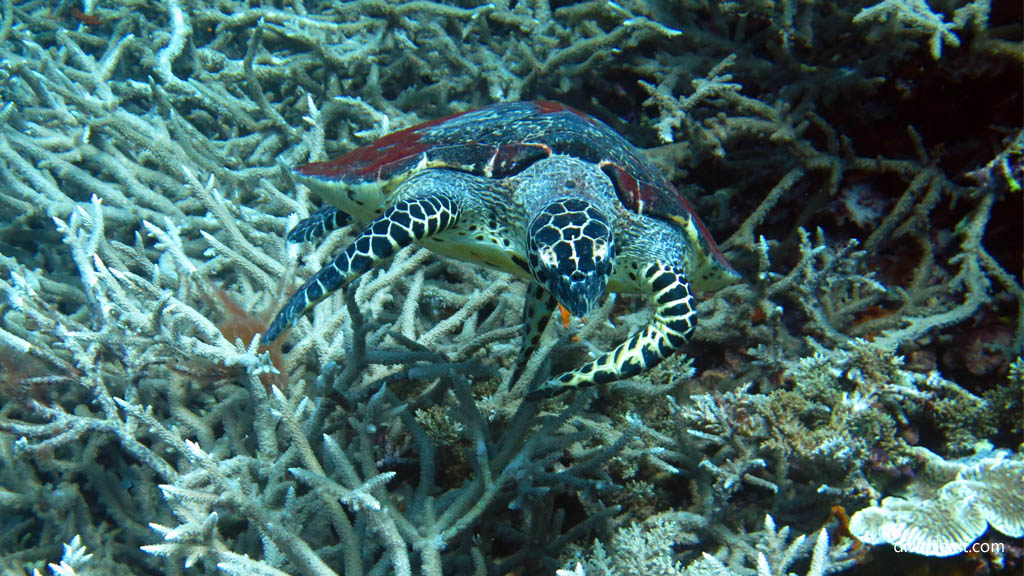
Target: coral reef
[[647, 548], [862, 162]]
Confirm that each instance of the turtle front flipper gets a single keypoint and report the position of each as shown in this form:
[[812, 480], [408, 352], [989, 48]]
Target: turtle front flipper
[[406, 222], [319, 223], [673, 320], [536, 314]]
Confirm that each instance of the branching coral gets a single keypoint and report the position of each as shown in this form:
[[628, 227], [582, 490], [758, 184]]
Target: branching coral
[[144, 154], [646, 548]]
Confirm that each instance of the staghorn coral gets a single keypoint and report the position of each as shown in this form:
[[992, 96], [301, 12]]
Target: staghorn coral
[[918, 17], [647, 548], [143, 162]]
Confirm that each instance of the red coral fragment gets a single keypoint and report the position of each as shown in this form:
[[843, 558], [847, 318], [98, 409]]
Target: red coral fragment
[[87, 19]]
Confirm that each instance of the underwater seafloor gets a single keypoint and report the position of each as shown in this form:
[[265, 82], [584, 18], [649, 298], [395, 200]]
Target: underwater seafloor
[[854, 404]]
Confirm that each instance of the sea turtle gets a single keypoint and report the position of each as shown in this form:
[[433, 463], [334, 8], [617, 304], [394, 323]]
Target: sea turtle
[[536, 189]]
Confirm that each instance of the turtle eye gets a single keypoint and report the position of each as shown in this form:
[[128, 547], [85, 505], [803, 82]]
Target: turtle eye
[[548, 256]]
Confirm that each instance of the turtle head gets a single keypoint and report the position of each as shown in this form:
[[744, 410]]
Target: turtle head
[[572, 252]]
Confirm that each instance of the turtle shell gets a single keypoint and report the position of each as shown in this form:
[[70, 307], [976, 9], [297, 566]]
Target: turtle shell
[[503, 139]]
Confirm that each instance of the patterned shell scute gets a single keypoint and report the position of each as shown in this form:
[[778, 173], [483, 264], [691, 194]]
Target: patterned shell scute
[[479, 141], [503, 139]]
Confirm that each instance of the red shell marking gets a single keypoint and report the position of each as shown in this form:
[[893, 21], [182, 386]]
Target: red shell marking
[[472, 141], [396, 152], [503, 139]]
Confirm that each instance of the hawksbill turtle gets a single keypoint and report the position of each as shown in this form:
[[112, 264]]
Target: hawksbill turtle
[[536, 189]]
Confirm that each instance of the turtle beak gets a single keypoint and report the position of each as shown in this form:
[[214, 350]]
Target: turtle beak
[[580, 293]]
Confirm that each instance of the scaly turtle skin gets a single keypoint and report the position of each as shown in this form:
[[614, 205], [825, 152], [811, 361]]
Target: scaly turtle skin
[[536, 189]]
